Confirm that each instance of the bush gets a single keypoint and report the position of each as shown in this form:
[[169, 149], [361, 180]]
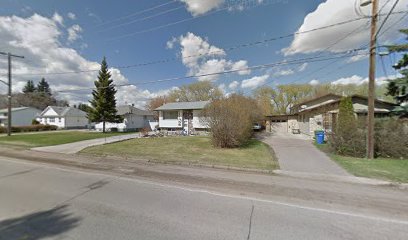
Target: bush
[[35, 122], [391, 139], [348, 138], [32, 128], [230, 120]]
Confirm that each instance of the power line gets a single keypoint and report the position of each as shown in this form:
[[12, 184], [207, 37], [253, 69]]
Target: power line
[[142, 19], [386, 18], [137, 13], [262, 66], [209, 53], [321, 52]]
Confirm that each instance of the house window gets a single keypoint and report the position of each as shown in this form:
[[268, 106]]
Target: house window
[[170, 115], [59, 120], [51, 120]]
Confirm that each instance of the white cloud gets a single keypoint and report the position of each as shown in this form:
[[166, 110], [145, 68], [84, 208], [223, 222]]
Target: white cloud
[[233, 85], [242, 64], [58, 19], [283, 72], [335, 11], [25, 36], [314, 82], [74, 33], [358, 80], [199, 7], [170, 43], [303, 67], [200, 57], [71, 16], [254, 82]]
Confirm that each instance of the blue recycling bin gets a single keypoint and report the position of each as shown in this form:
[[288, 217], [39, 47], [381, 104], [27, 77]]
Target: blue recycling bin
[[320, 137]]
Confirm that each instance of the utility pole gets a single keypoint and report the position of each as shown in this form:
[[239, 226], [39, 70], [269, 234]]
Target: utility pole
[[371, 81], [9, 56]]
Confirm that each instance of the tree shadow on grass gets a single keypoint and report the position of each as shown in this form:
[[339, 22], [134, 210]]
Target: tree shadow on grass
[[39, 225]]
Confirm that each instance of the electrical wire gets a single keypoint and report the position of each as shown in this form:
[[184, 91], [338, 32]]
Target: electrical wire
[[205, 54]]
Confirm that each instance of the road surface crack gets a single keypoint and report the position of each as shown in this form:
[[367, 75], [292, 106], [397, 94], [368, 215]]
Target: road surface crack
[[250, 221]]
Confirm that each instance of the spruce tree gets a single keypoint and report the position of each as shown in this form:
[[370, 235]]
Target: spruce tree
[[29, 87], [43, 87], [398, 88], [103, 104]]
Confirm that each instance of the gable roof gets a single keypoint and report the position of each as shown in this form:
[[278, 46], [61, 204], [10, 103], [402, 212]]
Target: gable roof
[[183, 106], [65, 111], [123, 110]]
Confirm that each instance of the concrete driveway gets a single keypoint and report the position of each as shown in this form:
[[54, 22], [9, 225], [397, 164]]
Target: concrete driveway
[[296, 153], [71, 148]]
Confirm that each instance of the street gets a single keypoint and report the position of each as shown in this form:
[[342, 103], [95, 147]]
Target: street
[[46, 202]]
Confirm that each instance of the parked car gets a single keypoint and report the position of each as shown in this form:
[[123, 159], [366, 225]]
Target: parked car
[[257, 127]]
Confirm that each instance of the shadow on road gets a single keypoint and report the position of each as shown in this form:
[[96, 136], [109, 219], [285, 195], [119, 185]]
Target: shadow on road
[[39, 225]]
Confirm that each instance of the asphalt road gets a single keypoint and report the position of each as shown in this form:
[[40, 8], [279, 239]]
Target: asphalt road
[[44, 202]]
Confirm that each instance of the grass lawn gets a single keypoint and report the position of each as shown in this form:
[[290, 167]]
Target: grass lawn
[[51, 138], [194, 150], [395, 170]]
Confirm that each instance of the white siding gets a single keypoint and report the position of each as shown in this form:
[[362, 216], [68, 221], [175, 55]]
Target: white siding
[[171, 123], [198, 121], [130, 122]]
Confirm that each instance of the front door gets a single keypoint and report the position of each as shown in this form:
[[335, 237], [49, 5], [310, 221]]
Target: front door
[[187, 119]]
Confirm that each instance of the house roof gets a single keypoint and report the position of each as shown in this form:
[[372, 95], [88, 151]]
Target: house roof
[[317, 98], [123, 110], [183, 106], [65, 111], [5, 110]]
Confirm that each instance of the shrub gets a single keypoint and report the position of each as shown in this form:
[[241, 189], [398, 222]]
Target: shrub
[[31, 128], [391, 139], [231, 119], [348, 138], [35, 122]]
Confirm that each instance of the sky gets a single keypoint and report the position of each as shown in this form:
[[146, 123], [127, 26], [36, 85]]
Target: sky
[[153, 46]]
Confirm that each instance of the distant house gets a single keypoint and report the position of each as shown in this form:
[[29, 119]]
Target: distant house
[[133, 119], [21, 116], [321, 114], [64, 117], [182, 116]]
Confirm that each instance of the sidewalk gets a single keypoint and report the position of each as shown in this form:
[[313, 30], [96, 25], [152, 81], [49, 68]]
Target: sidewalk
[[71, 148]]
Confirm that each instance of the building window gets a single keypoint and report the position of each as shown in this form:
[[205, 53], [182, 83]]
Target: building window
[[51, 120], [170, 115], [59, 120]]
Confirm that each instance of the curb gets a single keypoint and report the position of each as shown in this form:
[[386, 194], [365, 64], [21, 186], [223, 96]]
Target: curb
[[339, 178]]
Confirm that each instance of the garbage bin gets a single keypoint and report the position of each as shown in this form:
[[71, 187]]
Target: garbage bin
[[319, 137]]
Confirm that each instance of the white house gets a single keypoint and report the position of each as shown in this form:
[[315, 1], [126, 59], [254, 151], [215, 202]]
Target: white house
[[184, 116], [64, 117], [21, 116], [133, 120]]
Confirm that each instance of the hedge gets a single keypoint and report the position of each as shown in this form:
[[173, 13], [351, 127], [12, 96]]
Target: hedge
[[32, 128]]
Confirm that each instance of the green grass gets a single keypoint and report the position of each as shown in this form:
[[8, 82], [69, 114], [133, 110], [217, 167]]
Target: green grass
[[395, 170], [190, 150], [51, 138]]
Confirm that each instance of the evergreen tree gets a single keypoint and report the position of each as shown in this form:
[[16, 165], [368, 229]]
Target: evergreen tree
[[43, 87], [398, 88], [29, 87], [104, 103], [346, 118]]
